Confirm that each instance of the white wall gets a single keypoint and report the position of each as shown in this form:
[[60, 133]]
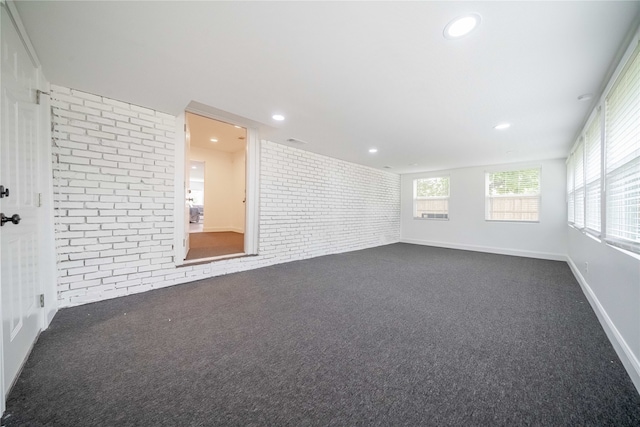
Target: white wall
[[467, 228], [611, 281], [114, 184], [224, 187], [218, 187]]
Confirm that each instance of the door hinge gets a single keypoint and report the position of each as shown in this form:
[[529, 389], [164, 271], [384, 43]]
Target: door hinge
[[185, 127], [39, 200], [41, 300], [39, 93]]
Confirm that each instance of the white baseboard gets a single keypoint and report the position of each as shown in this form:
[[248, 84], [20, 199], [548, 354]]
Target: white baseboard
[[222, 229], [48, 318], [489, 249], [621, 347]]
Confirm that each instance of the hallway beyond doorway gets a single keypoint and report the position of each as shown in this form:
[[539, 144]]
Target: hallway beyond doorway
[[213, 244]]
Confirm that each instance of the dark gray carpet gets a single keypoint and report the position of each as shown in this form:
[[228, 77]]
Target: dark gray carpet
[[399, 335]]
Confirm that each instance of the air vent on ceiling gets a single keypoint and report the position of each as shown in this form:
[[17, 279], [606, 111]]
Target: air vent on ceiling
[[296, 141]]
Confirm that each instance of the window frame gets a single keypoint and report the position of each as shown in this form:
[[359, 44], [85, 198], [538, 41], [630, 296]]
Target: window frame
[[571, 194], [415, 198], [579, 185], [631, 247], [487, 197], [596, 117], [609, 171]]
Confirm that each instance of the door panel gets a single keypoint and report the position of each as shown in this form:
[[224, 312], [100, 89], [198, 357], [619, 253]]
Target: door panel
[[19, 172]]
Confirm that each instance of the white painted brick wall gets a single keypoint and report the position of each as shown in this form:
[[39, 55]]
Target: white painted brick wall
[[114, 182]]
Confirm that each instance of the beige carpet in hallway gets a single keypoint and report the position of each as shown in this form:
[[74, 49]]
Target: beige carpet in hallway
[[211, 244]]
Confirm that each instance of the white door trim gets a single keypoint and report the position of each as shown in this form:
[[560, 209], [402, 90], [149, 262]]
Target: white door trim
[[48, 250], [179, 196], [252, 207]]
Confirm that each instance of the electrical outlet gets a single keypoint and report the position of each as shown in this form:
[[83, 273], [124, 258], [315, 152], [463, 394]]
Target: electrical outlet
[[586, 268]]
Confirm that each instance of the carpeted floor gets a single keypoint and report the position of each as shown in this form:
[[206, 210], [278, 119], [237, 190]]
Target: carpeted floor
[[212, 244], [399, 335]]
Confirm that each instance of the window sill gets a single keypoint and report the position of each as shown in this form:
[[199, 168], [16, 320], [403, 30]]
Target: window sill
[[430, 219], [624, 251], [591, 236], [600, 240], [512, 221]]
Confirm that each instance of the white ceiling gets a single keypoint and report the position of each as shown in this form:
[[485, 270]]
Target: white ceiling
[[203, 129], [350, 75]]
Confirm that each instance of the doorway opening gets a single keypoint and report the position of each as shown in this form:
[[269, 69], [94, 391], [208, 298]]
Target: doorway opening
[[215, 173]]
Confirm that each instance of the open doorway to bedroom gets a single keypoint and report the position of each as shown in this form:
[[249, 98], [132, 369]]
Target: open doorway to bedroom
[[216, 194]]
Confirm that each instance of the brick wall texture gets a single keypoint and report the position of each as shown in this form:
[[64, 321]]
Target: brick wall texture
[[114, 171]]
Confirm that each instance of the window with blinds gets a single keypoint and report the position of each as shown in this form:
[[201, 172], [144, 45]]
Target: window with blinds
[[431, 198], [593, 148], [513, 195], [570, 191], [622, 157], [579, 186]]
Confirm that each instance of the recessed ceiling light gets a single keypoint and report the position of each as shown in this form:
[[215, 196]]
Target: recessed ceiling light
[[373, 150], [585, 97], [194, 167], [461, 26], [278, 117], [502, 126], [213, 140], [237, 127]]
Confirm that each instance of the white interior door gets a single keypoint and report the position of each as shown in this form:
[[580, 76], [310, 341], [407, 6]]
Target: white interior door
[[19, 174]]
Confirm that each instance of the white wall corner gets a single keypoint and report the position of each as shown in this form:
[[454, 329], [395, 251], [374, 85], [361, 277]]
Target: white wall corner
[[488, 249], [628, 359]]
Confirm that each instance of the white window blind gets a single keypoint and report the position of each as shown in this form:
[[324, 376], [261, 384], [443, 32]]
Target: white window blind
[[622, 125], [579, 185], [431, 198], [513, 195], [570, 191], [593, 147]]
